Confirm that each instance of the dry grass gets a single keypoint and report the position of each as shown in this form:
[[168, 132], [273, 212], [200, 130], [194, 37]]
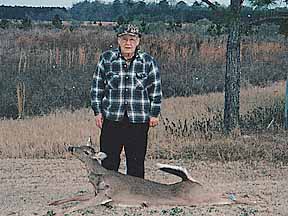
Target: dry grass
[[47, 136], [190, 64], [207, 105]]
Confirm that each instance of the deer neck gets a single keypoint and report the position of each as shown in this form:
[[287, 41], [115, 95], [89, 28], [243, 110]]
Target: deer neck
[[94, 166]]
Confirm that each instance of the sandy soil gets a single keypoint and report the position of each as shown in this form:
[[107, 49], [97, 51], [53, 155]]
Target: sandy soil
[[27, 186]]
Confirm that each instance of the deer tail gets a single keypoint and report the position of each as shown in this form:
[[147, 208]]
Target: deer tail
[[178, 171]]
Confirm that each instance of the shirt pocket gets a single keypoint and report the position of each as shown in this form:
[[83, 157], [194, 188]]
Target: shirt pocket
[[113, 80], [141, 80]]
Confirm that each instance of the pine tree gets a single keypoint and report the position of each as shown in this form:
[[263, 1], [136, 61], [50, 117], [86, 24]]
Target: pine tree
[[57, 22]]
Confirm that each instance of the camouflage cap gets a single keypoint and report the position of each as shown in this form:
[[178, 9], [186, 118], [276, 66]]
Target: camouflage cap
[[128, 29]]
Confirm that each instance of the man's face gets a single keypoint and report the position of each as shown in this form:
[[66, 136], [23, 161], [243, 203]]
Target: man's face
[[128, 43]]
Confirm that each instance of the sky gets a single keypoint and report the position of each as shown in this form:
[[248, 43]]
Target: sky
[[62, 3], [36, 3], [69, 3]]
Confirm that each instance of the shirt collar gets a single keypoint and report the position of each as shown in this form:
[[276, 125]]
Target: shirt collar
[[137, 55]]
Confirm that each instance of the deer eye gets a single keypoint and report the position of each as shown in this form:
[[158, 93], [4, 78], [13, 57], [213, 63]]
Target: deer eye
[[86, 152]]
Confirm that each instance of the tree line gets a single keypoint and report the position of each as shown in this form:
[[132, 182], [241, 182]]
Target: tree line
[[34, 13], [128, 10]]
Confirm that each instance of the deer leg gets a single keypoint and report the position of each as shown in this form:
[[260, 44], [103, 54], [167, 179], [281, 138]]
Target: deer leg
[[95, 201], [72, 199]]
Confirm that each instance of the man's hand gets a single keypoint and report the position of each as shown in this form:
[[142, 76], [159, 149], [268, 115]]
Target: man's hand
[[153, 121], [99, 120]]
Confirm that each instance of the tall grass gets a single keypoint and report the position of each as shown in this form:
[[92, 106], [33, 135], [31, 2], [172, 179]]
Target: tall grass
[[57, 66], [48, 136]]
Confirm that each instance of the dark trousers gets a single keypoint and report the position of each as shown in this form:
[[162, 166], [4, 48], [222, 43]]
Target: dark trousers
[[132, 136]]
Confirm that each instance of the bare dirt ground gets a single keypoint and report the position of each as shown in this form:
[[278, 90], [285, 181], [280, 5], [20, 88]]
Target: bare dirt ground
[[27, 186]]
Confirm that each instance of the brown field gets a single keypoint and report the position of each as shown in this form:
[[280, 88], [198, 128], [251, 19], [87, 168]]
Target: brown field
[[35, 169], [47, 136], [28, 185], [190, 63]]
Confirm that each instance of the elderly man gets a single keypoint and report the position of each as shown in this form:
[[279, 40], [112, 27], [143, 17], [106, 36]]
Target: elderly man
[[126, 98]]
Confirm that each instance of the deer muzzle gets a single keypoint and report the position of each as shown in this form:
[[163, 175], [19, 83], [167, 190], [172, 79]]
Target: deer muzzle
[[71, 149]]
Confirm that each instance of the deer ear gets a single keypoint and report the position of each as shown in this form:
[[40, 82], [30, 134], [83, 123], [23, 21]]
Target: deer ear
[[100, 156], [89, 141]]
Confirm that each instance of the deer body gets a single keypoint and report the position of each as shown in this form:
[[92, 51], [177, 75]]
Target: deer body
[[130, 190], [115, 188]]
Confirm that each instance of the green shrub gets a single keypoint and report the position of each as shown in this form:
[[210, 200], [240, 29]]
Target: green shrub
[[4, 24]]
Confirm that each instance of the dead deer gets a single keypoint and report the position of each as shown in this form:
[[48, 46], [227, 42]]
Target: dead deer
[[114, 188]]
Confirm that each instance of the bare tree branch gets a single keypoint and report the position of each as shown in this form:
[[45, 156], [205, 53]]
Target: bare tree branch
[[210, 4]]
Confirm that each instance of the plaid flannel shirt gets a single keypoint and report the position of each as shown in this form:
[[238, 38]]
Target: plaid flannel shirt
[[118, 87]]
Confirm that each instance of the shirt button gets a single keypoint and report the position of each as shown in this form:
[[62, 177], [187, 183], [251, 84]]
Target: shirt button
[[126, 90], [125, 102], [127, 77], [125, 66]]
